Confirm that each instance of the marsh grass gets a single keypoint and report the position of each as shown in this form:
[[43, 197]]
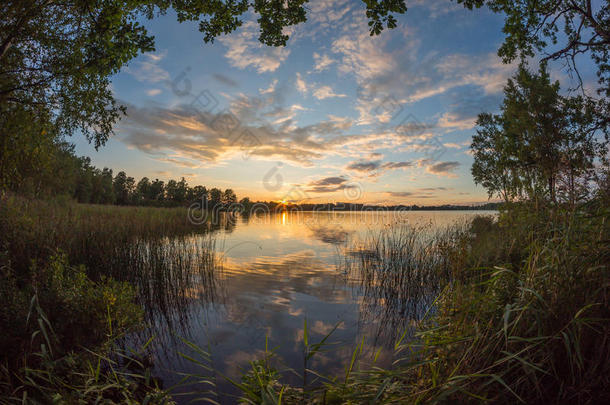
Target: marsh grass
[[530, 327], [97, 272], [399, 271], [90, 235], [519, 314], [168, 259], [109, 374]]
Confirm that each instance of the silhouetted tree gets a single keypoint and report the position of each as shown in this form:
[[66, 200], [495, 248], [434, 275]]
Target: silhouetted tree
[[215, 198], [539, 138], [229, 197], [157, 191], [123, 188]]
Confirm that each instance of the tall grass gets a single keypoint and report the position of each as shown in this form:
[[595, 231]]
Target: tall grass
[[399, 271], [97, 272], [532, 326], [32, 230], [521, 315]]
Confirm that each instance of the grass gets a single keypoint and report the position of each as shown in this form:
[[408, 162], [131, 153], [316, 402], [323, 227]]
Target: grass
[[522, 314], [96, 273], [159, 251], [32, 230], [400, 270], [524, 318], [50, 375]]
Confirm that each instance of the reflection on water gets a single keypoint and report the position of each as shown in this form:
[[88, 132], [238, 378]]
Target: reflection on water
[[276, 271]]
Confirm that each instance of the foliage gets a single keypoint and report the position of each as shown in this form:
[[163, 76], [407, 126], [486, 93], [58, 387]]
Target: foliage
[[82, 311], [49, 375], [35, 163], [94, 235], [32, 158], [542, 146], [536, 332], [582, 25]]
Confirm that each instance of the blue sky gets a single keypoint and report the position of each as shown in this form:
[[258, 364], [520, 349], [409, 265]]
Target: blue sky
[[336, 115]]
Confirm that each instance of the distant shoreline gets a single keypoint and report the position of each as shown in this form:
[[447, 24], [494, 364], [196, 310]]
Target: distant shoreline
[[345, 207]]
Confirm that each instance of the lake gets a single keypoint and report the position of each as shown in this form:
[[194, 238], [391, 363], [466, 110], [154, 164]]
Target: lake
[[276, 271]]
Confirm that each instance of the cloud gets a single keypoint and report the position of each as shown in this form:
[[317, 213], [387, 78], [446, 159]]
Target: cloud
[[322, 62], [328, 16], [225, 80], [153, 92], [374, 168], [146, 68], [460, 145], [324, 92], [425, 192], [245, 50], [256, 126], [400, 193], [300, 84], [443, 168], [329, 185], [269, 89], [320, 93], [452, 121], [436, 8], [363, 55], [397, 165], [327, 181], [364, 166], [411, 74], [179, 162], [344, 123], [413, 195]]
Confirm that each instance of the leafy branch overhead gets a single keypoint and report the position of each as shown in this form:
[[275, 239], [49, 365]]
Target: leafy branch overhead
[[56, 58], [558, 29]]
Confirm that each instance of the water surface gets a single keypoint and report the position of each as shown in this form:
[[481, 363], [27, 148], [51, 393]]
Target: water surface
[[278, 270]]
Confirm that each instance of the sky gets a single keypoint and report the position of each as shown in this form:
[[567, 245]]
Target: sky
[[335, 116]]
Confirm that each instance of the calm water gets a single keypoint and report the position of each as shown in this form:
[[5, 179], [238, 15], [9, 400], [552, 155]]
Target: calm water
[[276, 271]]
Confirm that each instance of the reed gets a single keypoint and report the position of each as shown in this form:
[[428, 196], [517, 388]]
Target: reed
[[517, 311], [97, 272], [399, 271], [531, 326]]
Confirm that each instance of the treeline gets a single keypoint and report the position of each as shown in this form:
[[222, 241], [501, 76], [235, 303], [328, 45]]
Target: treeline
[[96, 186], [64, 173]]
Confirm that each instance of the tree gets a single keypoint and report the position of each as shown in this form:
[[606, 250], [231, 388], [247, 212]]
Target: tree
[[535, 26], [175, 191], [229, 197], [142, 193], [106, 187], [215, 197], [246, 205], [84, 181], [539, 138], [123, 187], [156, 191], [198, 193]]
